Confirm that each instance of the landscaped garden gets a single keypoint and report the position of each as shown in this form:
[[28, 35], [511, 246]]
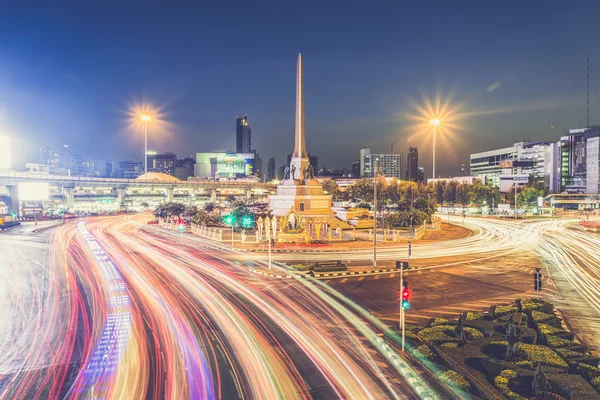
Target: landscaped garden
[[519, 351]]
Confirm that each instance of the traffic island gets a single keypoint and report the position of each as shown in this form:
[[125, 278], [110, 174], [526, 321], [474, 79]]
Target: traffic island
[[513, 351]]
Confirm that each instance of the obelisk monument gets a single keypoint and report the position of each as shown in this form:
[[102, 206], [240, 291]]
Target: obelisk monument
[[299, 162], [299, 190]]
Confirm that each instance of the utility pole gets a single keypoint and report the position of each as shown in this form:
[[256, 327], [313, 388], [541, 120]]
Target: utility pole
[[375, 216], [515, 201], [401, 322]]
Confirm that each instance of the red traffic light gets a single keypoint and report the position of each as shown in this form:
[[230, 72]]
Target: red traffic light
[[405, 294]]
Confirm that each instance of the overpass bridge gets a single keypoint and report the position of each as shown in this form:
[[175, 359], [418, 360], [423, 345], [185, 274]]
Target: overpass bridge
[[91, 193]]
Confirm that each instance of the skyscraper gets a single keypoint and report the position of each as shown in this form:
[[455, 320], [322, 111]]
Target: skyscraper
[[271, 169], [412, 164], [243, 135], [389, 164]]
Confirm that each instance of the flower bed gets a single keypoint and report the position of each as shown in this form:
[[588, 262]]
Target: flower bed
[[423, 351], [473, 316], [558, 342], [438, 334]]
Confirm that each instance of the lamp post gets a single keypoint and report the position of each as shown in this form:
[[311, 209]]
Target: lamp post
[[145, 119], [435, 123], [375, 216]]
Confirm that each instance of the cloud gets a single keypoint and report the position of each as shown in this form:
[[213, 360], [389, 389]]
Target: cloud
[[493, 87]]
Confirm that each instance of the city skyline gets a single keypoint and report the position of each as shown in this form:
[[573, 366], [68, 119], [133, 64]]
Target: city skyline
[[351, 102]]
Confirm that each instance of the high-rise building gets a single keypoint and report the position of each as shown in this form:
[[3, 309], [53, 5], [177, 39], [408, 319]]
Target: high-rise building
[[421, 175], [271, 169], [184, 168], [161, 162], [243, 135], [281, 172], [129, 169], [389, 165], [356, 169], [412, 164], [65, 162], [258, 168], [100, 168]]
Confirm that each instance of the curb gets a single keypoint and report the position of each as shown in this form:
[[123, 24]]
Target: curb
[[375, 271]]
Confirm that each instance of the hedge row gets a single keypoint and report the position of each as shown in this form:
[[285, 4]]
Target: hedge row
[[539, 354], [502, 382], [453, 378]]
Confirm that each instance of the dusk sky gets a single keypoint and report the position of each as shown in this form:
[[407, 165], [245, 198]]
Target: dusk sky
[[69, 73]]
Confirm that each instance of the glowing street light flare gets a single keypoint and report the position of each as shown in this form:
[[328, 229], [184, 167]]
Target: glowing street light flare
[[435, 121], [145, 117]]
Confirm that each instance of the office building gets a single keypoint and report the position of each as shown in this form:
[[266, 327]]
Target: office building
[[356, 169], [487, 163], [390, 165], [161, 162], [271, 169], [412, 164], [99, 168], [281, 172], [421, 175], [243, 135], [184, 168], [258, 168], [64, 161], [129, 169]]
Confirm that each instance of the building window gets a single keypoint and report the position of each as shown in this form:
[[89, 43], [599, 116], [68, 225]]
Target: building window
[[301, 206]]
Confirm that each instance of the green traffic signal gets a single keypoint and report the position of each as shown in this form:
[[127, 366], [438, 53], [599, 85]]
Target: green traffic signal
[[405, 304], [229, 219]]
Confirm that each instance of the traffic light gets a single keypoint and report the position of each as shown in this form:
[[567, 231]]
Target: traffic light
[[537, 280], [405, 296], [229, 219]]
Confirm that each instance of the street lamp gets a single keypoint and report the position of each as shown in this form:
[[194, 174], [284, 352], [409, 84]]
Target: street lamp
[[375, 215], [145, 118], [435, 123]]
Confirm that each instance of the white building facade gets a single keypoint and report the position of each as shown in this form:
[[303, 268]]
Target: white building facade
[[389, 164]]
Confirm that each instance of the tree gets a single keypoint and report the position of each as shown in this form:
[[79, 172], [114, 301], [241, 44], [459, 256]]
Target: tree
[[450, 193], [463, 196], [169, 210], [205, 218], [332, 188], [479, 193], [439, 188], [209, 207], [362, 189]]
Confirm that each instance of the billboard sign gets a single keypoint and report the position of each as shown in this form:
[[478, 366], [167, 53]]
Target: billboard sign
[[231, 165]]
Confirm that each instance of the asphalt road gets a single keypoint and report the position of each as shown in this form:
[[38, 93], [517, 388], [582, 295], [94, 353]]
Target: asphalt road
[[128, 314]]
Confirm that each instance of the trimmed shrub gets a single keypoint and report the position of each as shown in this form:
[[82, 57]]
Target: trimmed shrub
[[423, 351], [525, 364], [472, 334], [533, 304], [439, 321], [588, 372], [503, 381], [450, 345], [557, 342], [474, 316], [300, 267], [438, 334], [549, 330], [501, 311], [539, 316], [596, 383], [566, 353], [539, 354], [453, 378]]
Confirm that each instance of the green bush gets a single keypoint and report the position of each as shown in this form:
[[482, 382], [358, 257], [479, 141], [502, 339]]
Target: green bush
[[500, 311], [566, 353], [595, 382], [472, 334], [440, 321], [503, 382], [539, 316], [450, 345], [438, 334], [423, 351], [556, 341], [453, 378], [474, 316], [300, 267], [549, 330], [533, 304], [539, 354], [525, 364], [588, 372]]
